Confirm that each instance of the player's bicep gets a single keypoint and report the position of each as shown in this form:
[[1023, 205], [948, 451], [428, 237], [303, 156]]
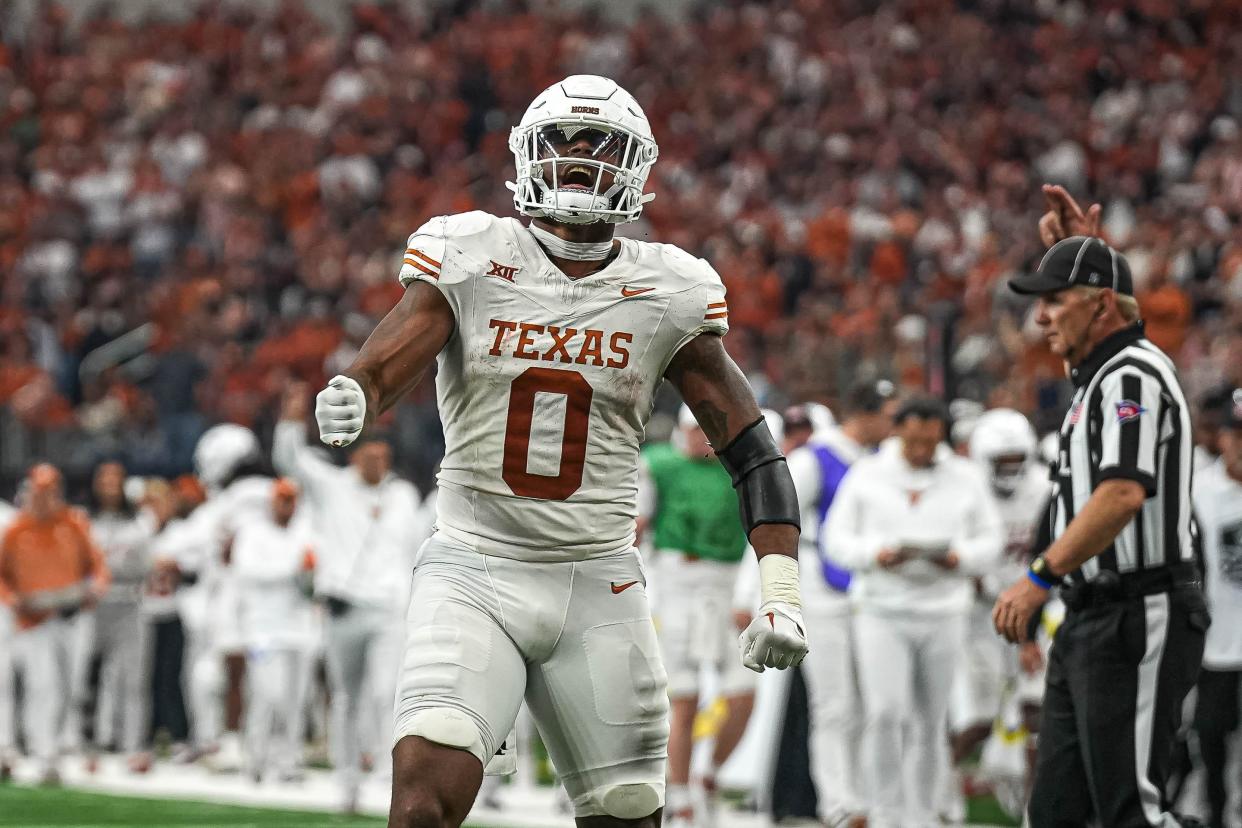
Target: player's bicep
[[714, 388], [403, 345]]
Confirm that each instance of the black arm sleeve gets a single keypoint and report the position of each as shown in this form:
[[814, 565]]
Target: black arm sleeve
[[765, 489]]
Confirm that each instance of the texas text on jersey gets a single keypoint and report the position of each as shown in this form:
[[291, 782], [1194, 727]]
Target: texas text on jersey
[[552, 377]]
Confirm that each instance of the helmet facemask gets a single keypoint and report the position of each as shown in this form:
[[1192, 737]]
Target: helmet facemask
[[1006, 473], [581, 170]]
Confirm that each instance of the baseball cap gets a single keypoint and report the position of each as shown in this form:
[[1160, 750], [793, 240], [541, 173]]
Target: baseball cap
[[284, 487], [187, 487], [1079, 260]]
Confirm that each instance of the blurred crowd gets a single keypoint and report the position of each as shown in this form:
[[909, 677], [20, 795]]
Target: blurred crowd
[[194, 212]]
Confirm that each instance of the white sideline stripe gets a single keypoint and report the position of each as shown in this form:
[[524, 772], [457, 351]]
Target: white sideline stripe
[[524, 807]]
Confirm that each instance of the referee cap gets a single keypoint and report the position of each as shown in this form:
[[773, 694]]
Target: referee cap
[[1078, 260]]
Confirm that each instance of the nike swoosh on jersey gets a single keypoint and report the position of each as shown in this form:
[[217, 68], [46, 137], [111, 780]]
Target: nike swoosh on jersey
[[617, 589], [627, 292]]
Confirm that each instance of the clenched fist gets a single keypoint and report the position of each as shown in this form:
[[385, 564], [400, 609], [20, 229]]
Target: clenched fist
[[340, 410], [775, 638]]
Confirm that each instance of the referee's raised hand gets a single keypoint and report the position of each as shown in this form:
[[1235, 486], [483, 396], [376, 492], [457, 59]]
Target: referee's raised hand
[[1065, 218]]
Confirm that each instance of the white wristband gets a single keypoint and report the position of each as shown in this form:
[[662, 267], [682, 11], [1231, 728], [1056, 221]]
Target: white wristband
[[778, 576]]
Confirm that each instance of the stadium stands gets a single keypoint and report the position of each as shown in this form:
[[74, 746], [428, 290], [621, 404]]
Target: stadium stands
[[220, 202]]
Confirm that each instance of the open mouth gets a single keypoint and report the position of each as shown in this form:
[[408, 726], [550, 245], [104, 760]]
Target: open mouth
[[577, 177]]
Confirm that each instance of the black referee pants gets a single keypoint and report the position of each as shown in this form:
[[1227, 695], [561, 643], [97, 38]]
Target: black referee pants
[[1117, 675], [1216, 718]]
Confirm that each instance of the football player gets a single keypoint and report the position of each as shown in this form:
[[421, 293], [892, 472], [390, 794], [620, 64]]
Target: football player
[[551, 339], [229, 463], [995, 676]]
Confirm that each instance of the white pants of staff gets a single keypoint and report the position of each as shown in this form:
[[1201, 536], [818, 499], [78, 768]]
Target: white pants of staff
[[203, 678], [906, 665], [276, 683], [8, 724], [123, 643], [51, 656], [363, 650], [833, 699], [80, 650]]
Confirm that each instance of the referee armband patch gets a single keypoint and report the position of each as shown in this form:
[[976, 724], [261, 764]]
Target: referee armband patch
[[1128, 410]]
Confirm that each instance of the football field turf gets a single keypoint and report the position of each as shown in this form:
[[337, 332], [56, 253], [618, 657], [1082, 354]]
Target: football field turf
[[64, 808]]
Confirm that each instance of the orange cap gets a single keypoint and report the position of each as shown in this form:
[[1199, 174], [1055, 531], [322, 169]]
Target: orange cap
[[284, 487], [188, 487], [44, 476]]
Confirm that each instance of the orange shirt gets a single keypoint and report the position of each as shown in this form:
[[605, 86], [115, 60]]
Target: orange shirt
[[39, 556]]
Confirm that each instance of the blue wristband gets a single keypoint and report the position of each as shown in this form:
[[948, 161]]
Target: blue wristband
[[1038, 581]]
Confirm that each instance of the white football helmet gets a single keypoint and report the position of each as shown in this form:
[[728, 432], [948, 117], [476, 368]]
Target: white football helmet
[[1004, 443], [822, 419], [597, 124], [220, 450]]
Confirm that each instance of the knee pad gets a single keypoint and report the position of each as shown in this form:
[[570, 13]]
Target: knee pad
[[632, 801], [444, 726]]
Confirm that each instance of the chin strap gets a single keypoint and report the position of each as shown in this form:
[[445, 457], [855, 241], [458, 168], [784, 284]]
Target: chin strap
[[574, 251]]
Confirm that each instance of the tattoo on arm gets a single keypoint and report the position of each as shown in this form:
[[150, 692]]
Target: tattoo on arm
[[724, 404], [712, 418], [714, 388]]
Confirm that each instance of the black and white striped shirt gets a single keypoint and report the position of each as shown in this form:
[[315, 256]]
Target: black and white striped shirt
[[1128, 419]]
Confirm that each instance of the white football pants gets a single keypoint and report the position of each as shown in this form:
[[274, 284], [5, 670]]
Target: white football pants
[[906, 665]]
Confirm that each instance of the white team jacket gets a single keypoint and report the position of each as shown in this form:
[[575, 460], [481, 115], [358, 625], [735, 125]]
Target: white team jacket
[[883, 503], [369, 534], [268, 563]]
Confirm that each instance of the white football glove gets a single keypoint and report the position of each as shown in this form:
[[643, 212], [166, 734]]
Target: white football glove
[[340, 410], [777, 635]]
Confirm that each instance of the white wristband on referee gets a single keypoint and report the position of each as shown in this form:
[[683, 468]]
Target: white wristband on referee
[[778, 576]]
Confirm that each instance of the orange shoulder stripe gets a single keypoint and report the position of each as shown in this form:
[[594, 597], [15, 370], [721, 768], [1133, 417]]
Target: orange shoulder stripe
[[420, 254], [422, 267]]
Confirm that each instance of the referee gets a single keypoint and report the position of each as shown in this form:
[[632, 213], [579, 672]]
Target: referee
[[1121, 549]]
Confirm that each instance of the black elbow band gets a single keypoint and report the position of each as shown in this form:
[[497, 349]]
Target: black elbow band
[[765, 489]]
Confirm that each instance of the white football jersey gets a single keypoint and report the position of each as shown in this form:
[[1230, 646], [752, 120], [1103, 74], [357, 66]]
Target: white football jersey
[[547, 383], [1218, 506], [1020, 513]]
